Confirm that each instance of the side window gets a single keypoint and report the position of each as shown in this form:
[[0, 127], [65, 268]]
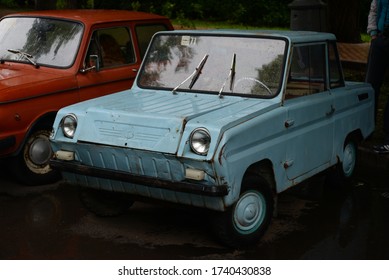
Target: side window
[[307, 71], [144, 34], [113, 47], [336, 73]]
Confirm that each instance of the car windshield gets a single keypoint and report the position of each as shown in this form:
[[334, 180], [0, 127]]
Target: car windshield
[[216, 64], [40, 41]]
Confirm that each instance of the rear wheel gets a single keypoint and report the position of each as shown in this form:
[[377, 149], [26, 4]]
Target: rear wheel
[[31, 165], [349, 159], [246, 221], [344, 170], [105, 203]]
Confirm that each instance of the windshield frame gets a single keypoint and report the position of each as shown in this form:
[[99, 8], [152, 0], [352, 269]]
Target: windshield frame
[[75, 49], [225, 71]]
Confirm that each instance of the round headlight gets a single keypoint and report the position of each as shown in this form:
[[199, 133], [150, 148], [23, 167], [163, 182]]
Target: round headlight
[[69, 125], [200, 139]]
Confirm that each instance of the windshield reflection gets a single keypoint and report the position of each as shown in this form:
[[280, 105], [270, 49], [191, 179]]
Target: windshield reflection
[[48, 41], [256, 68]]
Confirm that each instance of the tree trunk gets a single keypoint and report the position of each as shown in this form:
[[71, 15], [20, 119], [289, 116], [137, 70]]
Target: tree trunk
[[343, 18]]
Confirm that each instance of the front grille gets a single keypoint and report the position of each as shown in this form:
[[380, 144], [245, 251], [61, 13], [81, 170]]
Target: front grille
[[133, 161]]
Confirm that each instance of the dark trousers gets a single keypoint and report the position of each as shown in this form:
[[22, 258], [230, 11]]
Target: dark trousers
[[375, 75]]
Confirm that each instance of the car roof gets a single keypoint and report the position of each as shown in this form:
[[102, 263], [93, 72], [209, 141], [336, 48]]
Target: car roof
[[90, 15], [292, 36]]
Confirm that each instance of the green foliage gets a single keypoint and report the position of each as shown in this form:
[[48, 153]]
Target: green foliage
[[245, 12], [135, 6], [9, 3], [168, 9], [61, 4], [267, 13]]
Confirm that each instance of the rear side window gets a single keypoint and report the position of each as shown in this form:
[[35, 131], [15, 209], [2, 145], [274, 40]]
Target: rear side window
[[144, 34]]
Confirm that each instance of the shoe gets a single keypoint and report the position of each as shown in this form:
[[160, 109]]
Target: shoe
[[381, 149]]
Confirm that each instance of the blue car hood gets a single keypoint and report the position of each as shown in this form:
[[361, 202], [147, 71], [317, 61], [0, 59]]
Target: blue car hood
[[156, 121]]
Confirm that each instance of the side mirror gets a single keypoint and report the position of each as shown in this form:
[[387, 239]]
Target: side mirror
[[94, 63]]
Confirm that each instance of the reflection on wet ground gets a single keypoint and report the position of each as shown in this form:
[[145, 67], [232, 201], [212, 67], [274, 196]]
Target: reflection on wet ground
[[315, 221]]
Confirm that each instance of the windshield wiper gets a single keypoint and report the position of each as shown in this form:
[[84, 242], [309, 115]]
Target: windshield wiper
[[195, 75], [230, 76], [24, 55]]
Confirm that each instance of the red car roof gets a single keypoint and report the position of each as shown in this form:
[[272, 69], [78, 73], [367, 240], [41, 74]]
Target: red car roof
[[91, 16]]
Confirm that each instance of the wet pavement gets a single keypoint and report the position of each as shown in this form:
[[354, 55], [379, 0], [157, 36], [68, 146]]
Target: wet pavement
[[315, 220]]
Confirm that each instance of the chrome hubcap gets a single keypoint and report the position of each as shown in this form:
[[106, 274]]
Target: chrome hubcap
[[40, 151], [249, 212], [349, 159]]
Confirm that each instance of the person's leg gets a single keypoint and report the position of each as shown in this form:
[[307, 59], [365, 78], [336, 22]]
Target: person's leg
[[375, 74], [386, 123], [384, 147], [377, 65]]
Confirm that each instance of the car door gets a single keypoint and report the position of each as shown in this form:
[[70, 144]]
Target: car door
[[110, 63], [309, 106], [116, 53]]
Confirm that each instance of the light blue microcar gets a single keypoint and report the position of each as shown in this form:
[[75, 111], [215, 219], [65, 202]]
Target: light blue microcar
[[223, 120]]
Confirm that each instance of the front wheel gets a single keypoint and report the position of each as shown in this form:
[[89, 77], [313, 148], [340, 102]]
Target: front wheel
[[31, 165], [246, 221]]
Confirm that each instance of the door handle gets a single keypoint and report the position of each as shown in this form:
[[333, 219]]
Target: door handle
[[289, 123], [288, 163]]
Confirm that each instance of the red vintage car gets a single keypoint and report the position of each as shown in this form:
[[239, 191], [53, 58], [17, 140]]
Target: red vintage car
[[50, 59]]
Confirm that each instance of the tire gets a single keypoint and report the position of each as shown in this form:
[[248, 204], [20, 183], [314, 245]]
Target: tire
[[349, 161], [105, 203], [344, 170], [31, 165], [245, 222]]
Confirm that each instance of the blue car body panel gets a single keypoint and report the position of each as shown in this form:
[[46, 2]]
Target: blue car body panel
[[139, 141]]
